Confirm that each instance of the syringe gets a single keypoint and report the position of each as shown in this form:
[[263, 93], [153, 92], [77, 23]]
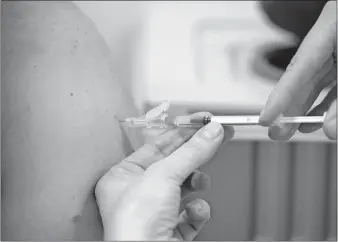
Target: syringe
[[165, 121]]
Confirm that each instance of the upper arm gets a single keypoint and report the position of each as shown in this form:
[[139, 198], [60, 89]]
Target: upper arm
[[60, 100]]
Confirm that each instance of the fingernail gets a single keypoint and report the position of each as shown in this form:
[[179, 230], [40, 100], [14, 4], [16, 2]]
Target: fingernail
[[201, 209], [211, 130], [198, 207], [262, 119], [274, 132], [283, 132], [229, 133]]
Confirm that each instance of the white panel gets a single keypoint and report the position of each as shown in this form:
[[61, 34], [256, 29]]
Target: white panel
[[332, 198], [310, 191], [273, 191], [230, 195]]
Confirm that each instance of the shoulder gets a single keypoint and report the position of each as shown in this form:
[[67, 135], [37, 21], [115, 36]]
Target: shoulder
[[60, 97], [53, 54]]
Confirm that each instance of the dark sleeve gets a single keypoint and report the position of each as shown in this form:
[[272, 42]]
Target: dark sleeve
[[294, 16]]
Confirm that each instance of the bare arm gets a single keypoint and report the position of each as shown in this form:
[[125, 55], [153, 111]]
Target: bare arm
[[59, 102]]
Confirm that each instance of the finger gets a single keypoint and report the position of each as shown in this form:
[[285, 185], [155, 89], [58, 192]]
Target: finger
[[193, 154], [315, 50], [319, 110], [196, 182], [330, 122], [229, 133], [192, 220], [301, 104], [163, 146]]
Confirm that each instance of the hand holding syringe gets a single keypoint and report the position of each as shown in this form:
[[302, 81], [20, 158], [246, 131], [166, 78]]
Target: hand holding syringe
[[158, 118]]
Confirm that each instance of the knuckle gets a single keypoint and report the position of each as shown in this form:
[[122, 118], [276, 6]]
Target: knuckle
[[196, 146], [158, 149], [104, 183], [200, 146], [197, 143], [130, 166], [197, 150]]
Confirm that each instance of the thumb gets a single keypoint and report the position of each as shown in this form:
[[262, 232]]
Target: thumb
[[193, 154], [330, 122]]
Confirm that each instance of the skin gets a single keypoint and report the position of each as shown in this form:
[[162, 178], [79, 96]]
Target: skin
[[60, 100]]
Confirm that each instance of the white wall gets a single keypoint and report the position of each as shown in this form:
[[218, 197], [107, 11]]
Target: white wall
[[153, 49]]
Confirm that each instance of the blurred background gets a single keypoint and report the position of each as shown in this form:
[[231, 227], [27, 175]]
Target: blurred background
[[225, 57]]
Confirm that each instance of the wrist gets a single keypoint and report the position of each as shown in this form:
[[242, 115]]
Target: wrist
[[117, 235]]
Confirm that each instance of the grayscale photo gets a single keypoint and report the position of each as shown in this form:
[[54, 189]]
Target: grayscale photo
[[169, 120]]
